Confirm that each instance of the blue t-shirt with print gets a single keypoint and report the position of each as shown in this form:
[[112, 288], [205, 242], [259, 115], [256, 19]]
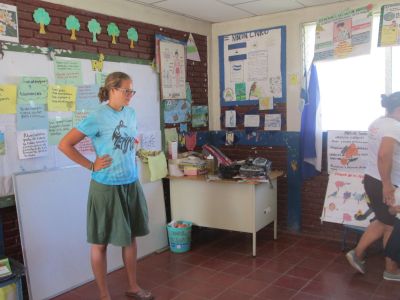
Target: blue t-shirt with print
[[113, 132]]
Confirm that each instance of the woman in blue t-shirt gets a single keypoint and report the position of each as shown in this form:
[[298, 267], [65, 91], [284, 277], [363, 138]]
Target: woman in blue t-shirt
[[117, 209]]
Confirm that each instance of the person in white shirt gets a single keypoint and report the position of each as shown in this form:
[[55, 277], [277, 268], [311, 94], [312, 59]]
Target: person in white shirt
[[381, 178]]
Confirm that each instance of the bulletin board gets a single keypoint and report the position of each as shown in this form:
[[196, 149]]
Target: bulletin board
[[253, 66], [16, 64]]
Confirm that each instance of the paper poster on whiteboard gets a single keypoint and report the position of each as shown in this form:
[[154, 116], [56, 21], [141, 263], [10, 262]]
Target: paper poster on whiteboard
[[252, 65], [347, 151], [32, 143], [173, 70], [344, 34], [346, 200]]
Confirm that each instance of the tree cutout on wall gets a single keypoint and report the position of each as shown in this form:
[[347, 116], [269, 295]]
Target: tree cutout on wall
[[94, 28], [41, 16], [132, 36], [72, 23], [113, 31]]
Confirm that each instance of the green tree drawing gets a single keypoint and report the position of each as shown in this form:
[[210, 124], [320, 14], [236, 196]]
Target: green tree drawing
[[94, 29], [41, 16], [113, 31], [72, 23], [132, 36]]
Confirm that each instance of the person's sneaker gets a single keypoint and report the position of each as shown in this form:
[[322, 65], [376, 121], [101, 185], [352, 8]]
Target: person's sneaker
[[355, 262], [391, 276]]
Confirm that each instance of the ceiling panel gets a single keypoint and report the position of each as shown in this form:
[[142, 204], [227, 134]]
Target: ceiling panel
[[318, 2], [209, 10], [233, 2], [145, 1], [262, 7]]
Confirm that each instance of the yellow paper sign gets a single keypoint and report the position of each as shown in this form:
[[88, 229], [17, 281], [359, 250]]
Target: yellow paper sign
[[265, 103], [8, 99], [61, 98], [293, 79]]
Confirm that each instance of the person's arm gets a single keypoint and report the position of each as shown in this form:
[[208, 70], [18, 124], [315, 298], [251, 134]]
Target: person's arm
[[385, 159], [67, 144]]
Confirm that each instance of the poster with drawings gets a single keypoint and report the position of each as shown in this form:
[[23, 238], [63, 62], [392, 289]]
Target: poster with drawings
[[252, 65], [344, 34], [346, 200], [347, 151], [173, 69]]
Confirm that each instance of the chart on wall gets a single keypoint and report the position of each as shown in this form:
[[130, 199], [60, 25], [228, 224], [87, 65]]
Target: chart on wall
[[344, 34], [253, 66], [172, 58], [347, 151]]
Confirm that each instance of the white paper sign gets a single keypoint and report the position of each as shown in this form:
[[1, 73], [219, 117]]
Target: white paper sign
[[251, 120], [151, 140], [230, 118], [347, 151], [32, 143], [272, 122]]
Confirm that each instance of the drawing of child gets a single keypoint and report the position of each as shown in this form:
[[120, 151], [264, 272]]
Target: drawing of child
[[342, 33]]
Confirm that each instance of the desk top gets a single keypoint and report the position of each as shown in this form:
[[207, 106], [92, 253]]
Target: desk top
[[273, 175]]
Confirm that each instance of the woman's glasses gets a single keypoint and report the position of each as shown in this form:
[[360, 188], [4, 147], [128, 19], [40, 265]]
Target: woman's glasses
[[127, 92]]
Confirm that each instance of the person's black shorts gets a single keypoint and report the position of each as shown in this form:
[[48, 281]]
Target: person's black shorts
[[392, 248], [373, 188]]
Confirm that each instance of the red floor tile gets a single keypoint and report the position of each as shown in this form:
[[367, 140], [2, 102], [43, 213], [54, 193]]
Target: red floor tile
[[220, 267]]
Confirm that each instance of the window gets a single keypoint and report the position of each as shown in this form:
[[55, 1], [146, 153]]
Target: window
[[350, 88]]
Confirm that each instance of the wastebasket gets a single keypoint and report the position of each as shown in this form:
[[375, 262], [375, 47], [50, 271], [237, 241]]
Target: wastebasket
[[179, 236]]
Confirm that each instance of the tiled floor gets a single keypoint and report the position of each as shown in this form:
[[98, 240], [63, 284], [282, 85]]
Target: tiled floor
[[220, 267]]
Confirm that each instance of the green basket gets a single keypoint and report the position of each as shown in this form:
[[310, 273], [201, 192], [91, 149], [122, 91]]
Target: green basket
[[180, 238]]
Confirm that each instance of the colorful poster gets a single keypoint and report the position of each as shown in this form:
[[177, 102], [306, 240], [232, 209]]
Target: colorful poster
[[266, 103], [61, 98], [68, 72], [346, 201], [252, 65], [173, 70], [58, 127], [32, 117], [8, 99], [199, 116], [177, 111], [389, 25], [32, 90], [347, 151], [32, 143], [8, 23], [87, 98], [272, 122], [344, 34]]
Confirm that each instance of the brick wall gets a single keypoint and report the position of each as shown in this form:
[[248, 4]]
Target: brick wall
[[59, 37]]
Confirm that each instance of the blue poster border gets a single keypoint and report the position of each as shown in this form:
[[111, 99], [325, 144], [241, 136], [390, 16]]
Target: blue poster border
[[221, 39]]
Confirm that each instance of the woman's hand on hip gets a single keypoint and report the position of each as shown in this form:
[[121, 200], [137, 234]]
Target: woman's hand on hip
[[102, 162]]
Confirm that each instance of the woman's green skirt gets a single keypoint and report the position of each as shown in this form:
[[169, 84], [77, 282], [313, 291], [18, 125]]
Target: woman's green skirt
[[116, 213]]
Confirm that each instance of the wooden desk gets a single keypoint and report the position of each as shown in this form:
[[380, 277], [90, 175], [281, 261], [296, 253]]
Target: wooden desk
[[225, 204]]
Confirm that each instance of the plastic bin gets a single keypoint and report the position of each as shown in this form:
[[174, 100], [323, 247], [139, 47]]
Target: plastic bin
[[179, 238]]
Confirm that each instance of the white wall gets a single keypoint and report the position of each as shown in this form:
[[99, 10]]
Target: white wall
[[293, 21]]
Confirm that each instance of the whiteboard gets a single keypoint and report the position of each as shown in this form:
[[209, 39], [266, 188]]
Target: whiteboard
[[14, 65], [51, 207]]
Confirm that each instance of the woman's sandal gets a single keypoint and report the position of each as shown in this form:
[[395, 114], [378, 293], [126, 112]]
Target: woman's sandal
[[140, 295]]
